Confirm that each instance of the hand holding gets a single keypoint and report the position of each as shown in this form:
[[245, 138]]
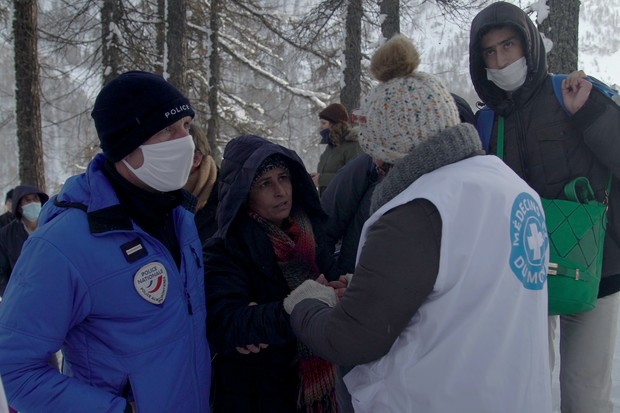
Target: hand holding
[[252, 348], [315, 178], [310, 289], [340, 286], [322, 280], [575, 91]]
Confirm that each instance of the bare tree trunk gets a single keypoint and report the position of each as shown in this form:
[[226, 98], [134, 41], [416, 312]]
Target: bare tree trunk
[[214, 80], [562, 27], [391, 23], [110, 47], [27, 94], [350, 93], [177, 44], [160, 40]]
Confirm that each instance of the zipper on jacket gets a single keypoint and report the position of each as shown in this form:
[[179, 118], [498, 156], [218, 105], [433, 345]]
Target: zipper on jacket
[[192, 341], [190, 310], [522, 146], [196, 257]]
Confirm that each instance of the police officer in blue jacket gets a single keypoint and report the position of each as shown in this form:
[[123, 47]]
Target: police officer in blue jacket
[[113, 276]]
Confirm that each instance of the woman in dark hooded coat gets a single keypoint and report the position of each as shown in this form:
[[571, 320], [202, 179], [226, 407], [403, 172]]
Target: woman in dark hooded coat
[[269, 240]]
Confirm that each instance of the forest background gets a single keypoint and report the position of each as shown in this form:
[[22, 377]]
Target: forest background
[[263, 67]]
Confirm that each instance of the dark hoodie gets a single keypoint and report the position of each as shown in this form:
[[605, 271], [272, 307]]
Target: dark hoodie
[[506, 14], [21, 191], [241, 268], [542, 144], [13, 235]]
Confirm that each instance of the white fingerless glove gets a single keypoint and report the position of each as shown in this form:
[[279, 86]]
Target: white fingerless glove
[[310, 289]]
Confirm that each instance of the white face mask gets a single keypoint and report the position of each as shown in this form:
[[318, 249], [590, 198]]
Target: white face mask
[[166, 165], [31, 211], [510, 78]]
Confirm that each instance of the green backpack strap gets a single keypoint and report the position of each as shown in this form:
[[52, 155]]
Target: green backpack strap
[[500, 137]]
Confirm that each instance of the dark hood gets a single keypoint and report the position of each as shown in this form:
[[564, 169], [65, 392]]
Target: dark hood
[[21, 191], [506, 14], [242, 157], [466, 115]]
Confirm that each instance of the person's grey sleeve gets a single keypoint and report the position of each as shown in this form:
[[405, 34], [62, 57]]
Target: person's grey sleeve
[[396, 272]]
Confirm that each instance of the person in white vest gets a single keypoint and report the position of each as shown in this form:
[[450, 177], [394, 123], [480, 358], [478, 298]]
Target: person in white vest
[[447, 308]]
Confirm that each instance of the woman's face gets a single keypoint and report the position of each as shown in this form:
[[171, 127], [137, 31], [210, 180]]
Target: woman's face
[[271, 196], [324, 124]]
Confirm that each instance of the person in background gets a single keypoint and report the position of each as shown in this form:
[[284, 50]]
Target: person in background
[[435, 318], [25, 206], [341, 140], [27, 202], [8, 204], [202, 183], [346, 201], [114, 275], [269, 240], [548, 148]]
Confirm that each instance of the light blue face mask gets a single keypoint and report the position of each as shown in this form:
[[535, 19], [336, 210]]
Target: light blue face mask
[[31, 211]]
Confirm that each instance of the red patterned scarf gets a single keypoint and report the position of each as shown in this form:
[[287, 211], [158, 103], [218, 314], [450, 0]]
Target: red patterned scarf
[[293, 244]]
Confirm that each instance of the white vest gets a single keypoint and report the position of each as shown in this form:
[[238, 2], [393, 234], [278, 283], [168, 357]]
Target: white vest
[[479, 343]]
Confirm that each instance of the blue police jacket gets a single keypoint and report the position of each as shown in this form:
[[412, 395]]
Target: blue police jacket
[[130, 322]]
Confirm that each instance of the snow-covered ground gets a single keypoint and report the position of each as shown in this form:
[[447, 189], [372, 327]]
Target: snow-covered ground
[[615, 392]]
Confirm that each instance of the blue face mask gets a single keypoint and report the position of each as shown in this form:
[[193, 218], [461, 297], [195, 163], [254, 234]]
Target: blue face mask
[[31, 211], [325, 133]]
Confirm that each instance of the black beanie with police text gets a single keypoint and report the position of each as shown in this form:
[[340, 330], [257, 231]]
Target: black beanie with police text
[[133, 107]]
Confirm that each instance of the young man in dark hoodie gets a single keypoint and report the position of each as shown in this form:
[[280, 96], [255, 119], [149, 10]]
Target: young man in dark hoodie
[[548, 148]]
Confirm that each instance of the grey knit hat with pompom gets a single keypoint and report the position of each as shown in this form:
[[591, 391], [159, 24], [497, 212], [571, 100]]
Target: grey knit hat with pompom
[[408, 106]]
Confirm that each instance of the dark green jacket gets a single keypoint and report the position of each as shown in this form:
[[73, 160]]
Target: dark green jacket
[[335, 157]]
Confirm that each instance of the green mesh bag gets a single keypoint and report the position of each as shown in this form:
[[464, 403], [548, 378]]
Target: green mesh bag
[[576, 229]]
